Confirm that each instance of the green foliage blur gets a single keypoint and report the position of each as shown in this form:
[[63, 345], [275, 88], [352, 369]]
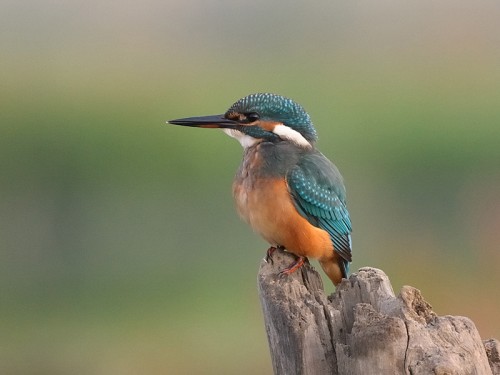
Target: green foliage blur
[[120, 252]]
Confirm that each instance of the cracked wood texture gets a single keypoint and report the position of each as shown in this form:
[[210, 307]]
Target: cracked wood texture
[[363, 328]]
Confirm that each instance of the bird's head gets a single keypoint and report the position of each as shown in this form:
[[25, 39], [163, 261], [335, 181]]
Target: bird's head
[[259, 117]]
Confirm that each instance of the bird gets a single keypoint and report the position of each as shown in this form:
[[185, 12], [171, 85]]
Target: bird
[[285, 188]]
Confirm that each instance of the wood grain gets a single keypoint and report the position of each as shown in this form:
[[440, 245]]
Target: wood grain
[[363, 328]]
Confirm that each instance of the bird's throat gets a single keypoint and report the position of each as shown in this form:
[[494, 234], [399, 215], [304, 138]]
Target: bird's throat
[[245, 140]]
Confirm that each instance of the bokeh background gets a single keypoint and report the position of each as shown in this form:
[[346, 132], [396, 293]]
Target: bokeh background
[[120, 251]]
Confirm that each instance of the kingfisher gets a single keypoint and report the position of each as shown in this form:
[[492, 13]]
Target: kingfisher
[[285, 188]]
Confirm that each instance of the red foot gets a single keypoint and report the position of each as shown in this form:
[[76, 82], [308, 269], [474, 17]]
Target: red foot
[[294, 266]]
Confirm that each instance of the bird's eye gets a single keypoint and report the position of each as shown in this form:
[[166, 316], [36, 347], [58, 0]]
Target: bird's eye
[[252, 116]]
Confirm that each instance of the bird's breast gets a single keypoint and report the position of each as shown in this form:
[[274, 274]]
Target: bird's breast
[[260, 203], [264, 202]]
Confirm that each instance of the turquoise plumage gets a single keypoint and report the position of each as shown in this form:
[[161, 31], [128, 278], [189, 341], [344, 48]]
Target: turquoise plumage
[[319, 195]]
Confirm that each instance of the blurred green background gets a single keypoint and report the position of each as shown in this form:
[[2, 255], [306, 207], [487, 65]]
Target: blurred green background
[[120, 251]]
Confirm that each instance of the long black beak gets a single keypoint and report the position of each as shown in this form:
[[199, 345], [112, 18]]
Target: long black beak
[[215, 121]]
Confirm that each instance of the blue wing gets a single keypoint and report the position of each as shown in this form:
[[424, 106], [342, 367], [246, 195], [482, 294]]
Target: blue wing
[[319, 195]]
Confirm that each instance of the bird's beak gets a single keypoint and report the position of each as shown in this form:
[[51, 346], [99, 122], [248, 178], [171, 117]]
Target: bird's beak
[[215, 121]]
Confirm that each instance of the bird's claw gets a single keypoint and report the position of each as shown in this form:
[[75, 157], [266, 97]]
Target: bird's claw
[[269, 255], [270, 252]]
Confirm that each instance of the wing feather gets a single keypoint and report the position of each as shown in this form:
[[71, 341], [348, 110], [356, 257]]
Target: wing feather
[[319, 195]]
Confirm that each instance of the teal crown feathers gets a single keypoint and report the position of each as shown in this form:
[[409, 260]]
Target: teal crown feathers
[[272, 107]]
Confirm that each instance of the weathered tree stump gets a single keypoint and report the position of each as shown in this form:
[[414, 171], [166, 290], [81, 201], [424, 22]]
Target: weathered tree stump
[[363, 328]]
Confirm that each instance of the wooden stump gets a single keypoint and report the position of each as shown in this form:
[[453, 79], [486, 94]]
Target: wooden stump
[[363, 328]]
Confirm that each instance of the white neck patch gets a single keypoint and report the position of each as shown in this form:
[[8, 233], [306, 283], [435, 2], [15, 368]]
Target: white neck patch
[[285, 132], [244, 139]]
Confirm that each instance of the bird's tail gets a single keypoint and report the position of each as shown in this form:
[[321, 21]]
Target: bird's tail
[[335, 268]]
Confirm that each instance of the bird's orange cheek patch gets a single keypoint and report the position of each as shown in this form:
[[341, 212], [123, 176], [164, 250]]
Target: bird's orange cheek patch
[[268, 125]]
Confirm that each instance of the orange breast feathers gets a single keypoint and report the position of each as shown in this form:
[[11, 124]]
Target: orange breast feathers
[[267, 206]]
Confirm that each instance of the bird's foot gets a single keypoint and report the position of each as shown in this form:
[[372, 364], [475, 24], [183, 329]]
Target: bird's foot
[[270, 252], [294, 266]]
